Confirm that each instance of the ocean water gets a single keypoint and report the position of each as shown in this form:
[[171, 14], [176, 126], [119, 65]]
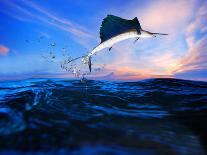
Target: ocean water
[[59, 116]]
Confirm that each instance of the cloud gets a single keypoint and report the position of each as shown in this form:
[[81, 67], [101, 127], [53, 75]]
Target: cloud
[[71, 26], [199, 21], [196, 57], [167, 16], [204, 29], [29, 11], [25, 64], [166, 63], [3, 50]]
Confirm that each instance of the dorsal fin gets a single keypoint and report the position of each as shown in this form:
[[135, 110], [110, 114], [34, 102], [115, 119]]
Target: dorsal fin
[[113, 25]]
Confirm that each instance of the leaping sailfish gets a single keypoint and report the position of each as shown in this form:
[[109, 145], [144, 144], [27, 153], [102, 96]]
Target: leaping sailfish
[[115, 29]]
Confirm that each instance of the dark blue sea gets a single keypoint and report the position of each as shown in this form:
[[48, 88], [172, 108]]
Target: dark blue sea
[[73, 117]]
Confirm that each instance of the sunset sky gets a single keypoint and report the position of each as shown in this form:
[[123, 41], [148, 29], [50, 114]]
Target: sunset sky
[[29, 28]]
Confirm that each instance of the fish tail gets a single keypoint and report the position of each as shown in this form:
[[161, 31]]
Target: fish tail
[[87, 60], [89, 63]]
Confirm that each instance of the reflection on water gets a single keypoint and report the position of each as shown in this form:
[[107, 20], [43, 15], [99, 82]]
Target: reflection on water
[[157, 116]]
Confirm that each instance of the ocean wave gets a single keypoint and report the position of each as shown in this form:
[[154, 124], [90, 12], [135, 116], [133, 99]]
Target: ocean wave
[[152, 115]]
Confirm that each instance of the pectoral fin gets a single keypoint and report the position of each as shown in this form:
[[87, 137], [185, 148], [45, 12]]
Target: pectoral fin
[[136, 40]]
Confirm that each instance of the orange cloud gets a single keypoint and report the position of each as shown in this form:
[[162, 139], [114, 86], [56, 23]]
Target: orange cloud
[[195, 58], [3, 50], [128, 73]]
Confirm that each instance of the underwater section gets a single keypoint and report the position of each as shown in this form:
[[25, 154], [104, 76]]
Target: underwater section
[[59, 116]]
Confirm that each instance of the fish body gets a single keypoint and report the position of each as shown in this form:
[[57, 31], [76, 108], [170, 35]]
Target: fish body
[[113, 30], [123, 36]]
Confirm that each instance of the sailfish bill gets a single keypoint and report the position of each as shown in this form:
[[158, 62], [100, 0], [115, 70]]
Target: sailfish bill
[[155, 34], [115, 29], [160, 33]]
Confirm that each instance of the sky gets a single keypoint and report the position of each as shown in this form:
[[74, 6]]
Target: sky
[[32, 30]]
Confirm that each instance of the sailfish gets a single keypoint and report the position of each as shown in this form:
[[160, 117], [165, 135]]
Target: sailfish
[[115, 29]]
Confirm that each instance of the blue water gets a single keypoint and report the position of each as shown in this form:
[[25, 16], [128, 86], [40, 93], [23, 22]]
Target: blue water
[[58, 116]]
